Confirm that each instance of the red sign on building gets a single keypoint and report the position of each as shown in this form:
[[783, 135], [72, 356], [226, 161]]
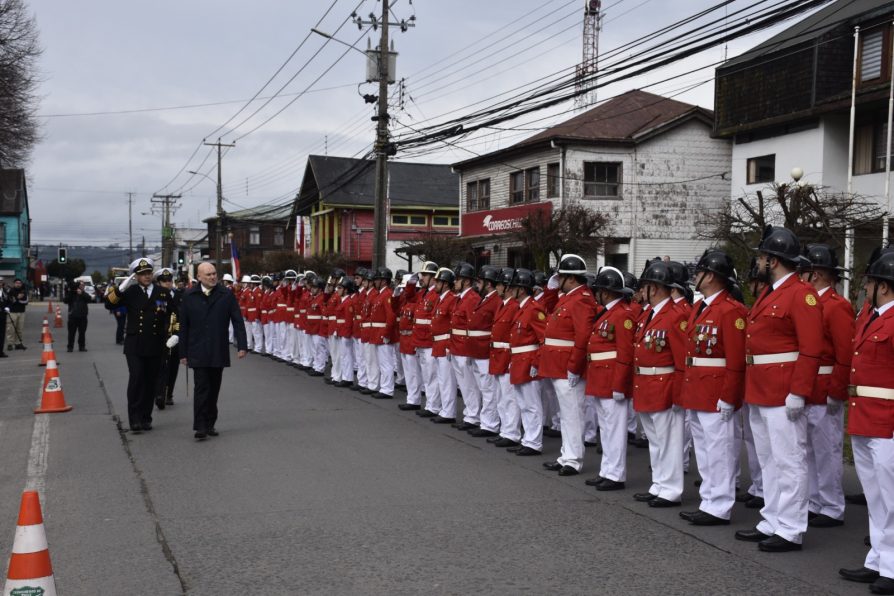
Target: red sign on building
[[501, 221]]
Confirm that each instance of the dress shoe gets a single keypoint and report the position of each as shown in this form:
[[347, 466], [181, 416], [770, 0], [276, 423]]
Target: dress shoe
[[442, 420], [883, 585], [867, 541], [742, 497], [777, 544], [755, 503], [425, 414], [408, 407], [136, 428], [147, 426], [608, 484], [366, 391], [863, 575], [380, 395], [160, 403], [663, 503], [517, 448], [857, 499], [21, 347], [525, 451], [706, 519], [344, 384], [591, 444], [466, 426], [212, 432], [481, 432], [169, 401], [82, 349], [552, 466], [751, 535], [504, 442], [821, 520], [568, 471], [631, 437], [644, 497], [494, 439], [314, 373], [550, 432], [4, 355], [69, 349], [593, 481], [688, 515], [200, 436], [328, 381]]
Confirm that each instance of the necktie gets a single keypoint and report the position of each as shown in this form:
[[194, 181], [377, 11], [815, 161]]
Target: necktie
[[873, 317], [651, 314], [702, 306]]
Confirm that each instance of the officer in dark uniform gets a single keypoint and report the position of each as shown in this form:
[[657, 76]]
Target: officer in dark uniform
[[170, 362], [147, 306]]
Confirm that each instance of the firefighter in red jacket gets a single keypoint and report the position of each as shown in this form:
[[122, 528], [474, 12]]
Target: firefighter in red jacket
[[317, 326], [610, 374], [563, 359], [253, 308], [783, 349], [713, 384], [383, 332], [306, 359], [423, 312], [498, 364], [369, 349], [546, 292], [344, 330], [461, 350], [362, 284], [478, 341], [440, 351], [825, 406], [332, 340], [871, 424], [404, 304]]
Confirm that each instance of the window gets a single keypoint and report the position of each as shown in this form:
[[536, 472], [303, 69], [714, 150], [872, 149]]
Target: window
[[552, 180], [254, 235], [761, 169], [478, 195], [2, 235], [409, 220], [279, 236], [869, 145], [400, 220], [524, 186], [602, 180], [871, 55], [445, 221], [418, 220]]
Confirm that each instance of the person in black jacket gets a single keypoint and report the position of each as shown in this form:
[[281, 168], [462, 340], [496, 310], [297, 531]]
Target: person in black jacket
[[4, 297], [205, 315], [170, 362], [144, 341], [78, 302]]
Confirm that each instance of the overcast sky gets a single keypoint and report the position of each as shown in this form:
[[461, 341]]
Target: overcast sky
[[109, 55]]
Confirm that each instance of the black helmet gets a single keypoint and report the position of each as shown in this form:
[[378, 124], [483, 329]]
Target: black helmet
[[591, 279], [399, 274], [718, 262], [540, 278], [657, 272], [612, 280], [368, 274], [630, 281], [361, 272], [883, 267], [822, 256], [429, 267], [383, 273], [876, 253], [679, 273], [803, 264], [348, 284], [523, 278], [506, 274], [572, 265], [445, 274], [464, 269], [780, 242], [489, 273], [319, 282]]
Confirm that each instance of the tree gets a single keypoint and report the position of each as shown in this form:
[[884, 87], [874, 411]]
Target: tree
[[572, 229], [443, 249], [97, 277], [19, 51], [69, 270]]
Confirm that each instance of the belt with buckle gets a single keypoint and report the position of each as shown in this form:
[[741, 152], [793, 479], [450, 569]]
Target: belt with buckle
[[523, 349], [708, 362], [500, 345], [378, 325], [423, 321], [866, 391], [651, 371], [475, 333], [752, 359], [442, 337], [596, 356], [558, 343], [406, 333]]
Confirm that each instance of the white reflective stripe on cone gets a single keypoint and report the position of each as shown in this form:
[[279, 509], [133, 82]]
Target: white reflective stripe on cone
[[30, 539], [47, 584]]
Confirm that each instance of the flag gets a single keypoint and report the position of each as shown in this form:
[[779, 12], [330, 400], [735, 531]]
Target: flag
[[234, 259]]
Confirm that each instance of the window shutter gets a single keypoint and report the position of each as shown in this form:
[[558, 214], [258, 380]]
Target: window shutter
[[871, 58]]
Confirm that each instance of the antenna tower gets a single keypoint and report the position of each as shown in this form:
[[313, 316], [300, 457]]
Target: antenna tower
[[585, 75]]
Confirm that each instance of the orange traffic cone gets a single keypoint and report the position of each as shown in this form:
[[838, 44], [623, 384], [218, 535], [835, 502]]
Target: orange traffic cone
[[30, 571], [52, 400], [58, 322], [45, 336], [50, 307], [48, 354]]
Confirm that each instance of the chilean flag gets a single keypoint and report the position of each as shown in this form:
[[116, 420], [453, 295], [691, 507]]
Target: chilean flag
[[234, 259]]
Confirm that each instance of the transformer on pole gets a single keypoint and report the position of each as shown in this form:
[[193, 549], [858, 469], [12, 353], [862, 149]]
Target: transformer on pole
[[585, 75]]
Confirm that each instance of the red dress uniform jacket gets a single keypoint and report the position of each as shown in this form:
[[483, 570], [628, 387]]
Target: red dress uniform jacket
[[659, 343], [359, 299], [383, 322], [265, 306], [480, 326], [423, 313], [243, 303], [788, 319], [612, 334], [304, 308], [637, 309], [295, 303], [499, 337], [332, 305], [344, 316], [527, 332], [837, 349], [440, 324], [871, 368], [252, 305], [548, 299], [371, 296], [315, 314], [459, 322], [717, 332], [280, 300], [570, 323], [405, 328]]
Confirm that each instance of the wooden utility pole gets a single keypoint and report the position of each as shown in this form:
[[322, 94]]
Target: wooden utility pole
[[220, 211], [380, 211], [130, 226], [167, 233]]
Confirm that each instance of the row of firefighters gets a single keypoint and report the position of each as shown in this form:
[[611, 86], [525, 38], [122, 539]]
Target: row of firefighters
[[684, 356]]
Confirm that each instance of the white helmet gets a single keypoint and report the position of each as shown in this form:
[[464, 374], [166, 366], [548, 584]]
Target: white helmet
[[228, 277], [246, 279]]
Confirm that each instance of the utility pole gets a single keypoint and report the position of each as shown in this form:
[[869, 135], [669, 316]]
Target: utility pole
[[167, 236], [380, 233], [220, 212], [130, 226]]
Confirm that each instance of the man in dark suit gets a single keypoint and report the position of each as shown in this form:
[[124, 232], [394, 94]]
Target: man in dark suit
[[144, 341], [206, 312]]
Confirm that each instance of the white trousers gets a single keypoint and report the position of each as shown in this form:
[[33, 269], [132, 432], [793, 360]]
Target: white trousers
[[346, 359], [591, 419], [874, 459], [307, 352], [631, 417], [754, 467], [551, 415], [507, 408], [321, 353], [781, 447], [249, 336], [665, 433], [465, 379], [295, 349], [360, 362], [490, 398], [385, 357], [613, 432], [400, 377], [716, 455], [429, 370], [372, 367], [413, 377], [571, 409], [335, 355], [269, 338], [281, 331], [825, 443], [687, 438], [446, 386], [530, 405], [257, 330]]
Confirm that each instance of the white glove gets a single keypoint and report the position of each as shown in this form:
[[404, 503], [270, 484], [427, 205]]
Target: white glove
[[794, 407], [833, 406], [533, 371], [173, 341], [676, 408], [726, 410], [572, 379], [127, 282], [7, 309], [384, 340], [617, 396], [553, 283]]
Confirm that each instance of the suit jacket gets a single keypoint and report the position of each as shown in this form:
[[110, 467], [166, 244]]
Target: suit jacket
[[204, 327], [147, 318]]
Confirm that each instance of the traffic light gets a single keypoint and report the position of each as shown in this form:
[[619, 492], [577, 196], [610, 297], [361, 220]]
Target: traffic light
[[62, 257], [181, 257]]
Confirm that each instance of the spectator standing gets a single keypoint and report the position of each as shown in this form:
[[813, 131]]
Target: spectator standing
[[15, 304], [4, 296], [78, 302]]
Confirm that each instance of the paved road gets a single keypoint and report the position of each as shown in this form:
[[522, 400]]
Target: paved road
[[315, 490]]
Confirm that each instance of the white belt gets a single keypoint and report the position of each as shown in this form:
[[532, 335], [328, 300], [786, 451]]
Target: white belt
[[595, 356], [523, 349], [474, 333], [406, 333], [331, 318], [559, 343], [314, 317], [459, 332], [281, 305], [358, 317], [865, 391], [365, 325], [441, 337], [252, 309], [423, 321], [709, 362], [340, 321], [378, 325], [290, 309], [500, 345], [650, 371], [302, 310], [771, 358], [825, 370]]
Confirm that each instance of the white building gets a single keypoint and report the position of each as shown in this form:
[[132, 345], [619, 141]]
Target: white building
[[648, 162]]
